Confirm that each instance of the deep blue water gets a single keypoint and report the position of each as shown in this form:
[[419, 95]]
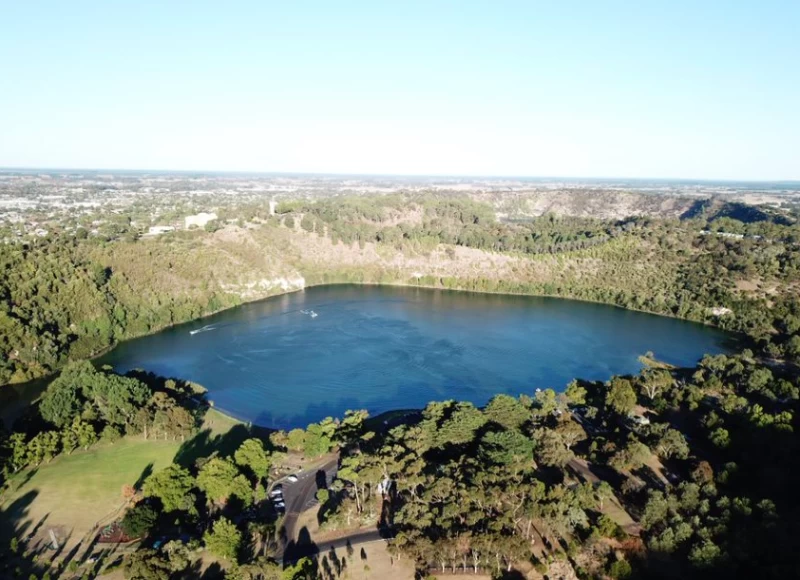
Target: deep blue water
[[383, 348]]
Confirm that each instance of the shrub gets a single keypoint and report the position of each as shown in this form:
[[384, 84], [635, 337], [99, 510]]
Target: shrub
[[110, 434], [138, 521], [620, 569]]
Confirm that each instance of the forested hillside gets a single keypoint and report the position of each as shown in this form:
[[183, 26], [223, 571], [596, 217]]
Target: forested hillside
[[672, 473], [699, 458], [66, 298]]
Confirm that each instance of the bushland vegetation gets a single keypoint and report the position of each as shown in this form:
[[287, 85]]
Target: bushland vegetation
[[67, 298]]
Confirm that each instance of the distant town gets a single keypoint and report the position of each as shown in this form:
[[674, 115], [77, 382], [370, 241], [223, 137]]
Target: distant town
[[36, 203]]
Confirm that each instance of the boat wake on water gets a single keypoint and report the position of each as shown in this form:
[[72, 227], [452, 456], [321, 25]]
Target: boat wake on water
[[206, 328]]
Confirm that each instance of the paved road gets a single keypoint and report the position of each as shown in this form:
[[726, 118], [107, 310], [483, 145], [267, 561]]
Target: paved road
[[301, 495]]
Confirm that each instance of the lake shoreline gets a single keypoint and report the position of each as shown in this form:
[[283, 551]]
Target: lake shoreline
[[385, 347], [22, 395], [100, 353]]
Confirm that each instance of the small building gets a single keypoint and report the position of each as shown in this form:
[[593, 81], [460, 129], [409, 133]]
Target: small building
[[158, 230], [635, 421], [199, 220]]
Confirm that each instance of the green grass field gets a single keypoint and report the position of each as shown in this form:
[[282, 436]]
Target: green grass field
[[74, 492]]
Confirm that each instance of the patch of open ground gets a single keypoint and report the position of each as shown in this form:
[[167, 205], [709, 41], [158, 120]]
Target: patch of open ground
[[367, 562]]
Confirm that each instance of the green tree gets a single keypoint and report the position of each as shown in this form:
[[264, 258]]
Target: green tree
[[69, 440], [705, 554], [720, 437], [570, 432], [349, 471], [61, 403], [172, 485], [655, 382], [546, 402], [116, 398], [84, 433], [296, 440], [509, 449], [621, 397], [19, 451], [319, 438], [672, 444], [146, 564], [603, 492], [575, 393], [138, 521], [43, 446], [224, 540], [620, 569], [656, 510], [460, 427], [251, 454], [350, 432], [507, 411], [178, 555], [551, 449], [307, 223], [220, 479], [631, 457], [303, 569], [793, 348]]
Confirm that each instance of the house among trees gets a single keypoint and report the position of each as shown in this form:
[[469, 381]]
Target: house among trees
[[200, 220]]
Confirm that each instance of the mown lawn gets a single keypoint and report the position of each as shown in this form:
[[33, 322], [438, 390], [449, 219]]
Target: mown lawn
[[74, 492]]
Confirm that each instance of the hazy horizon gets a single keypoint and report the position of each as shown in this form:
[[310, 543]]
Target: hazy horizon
[[532, 178], [680, 91]]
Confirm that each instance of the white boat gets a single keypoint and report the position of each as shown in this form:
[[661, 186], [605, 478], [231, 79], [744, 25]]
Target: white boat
[[313, 314], [204, 329]]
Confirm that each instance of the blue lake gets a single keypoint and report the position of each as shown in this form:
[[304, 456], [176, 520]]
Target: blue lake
[[379, 348]]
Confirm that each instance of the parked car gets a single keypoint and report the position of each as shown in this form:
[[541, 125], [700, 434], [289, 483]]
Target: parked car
[[276, 491], [292, 478]]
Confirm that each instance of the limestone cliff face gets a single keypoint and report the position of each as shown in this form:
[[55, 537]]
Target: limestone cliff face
[[261, 288]]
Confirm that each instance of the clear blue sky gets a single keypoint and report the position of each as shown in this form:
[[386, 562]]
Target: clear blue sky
[[699, 89]]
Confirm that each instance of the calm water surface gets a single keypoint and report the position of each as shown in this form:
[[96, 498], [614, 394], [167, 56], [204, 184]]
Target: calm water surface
[[388, 348]]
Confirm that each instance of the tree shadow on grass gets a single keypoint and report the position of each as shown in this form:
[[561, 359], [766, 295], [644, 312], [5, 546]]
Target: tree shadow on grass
[[72, 554], [205, 444], [14, 523], [650, 477], [38, 525], [109, 558], [146, 472], [26, 478], [62, 542], [88, 552], [13, 518]]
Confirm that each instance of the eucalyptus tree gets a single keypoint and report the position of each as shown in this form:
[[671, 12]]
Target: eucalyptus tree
[[173, 486]]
